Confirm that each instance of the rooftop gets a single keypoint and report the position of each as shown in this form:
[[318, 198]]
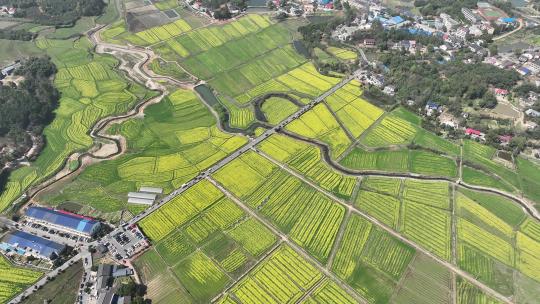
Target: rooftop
[[63, 218], [38, 244]]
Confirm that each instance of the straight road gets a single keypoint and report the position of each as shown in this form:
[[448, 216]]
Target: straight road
[[237, 153], [45, 279]]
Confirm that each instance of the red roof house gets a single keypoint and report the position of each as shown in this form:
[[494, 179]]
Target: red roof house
[[501, 92], [470, 131]]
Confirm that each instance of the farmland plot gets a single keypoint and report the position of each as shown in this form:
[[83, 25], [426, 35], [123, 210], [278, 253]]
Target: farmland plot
[[307, 160], [84, 101], [436, 194], [201, 276], [355, 113], [181, 134], [481, 155], [377, 160], [427, 282], [329, 292], [287, 83], [429, 227], [428, 163], [383, 207], [503, 208], [281, 278], [276, 109], [390, 131], [384, 185], [468, 293], [14, 280], [370, 260], [318, 123], [310, 218]]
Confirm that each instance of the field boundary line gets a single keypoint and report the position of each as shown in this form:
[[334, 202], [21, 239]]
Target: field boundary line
[[368, 172], [310, 291], [285, 239], [396, 234], [356, 142], [248, 271], [339, 237]]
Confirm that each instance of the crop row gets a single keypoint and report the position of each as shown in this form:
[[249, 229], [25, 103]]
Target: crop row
[[302, 80], [436, 194], [390, 131], [310, 218], [385, 185], [429, 227], [383, 207], [281, 278], [13, 280], [318, 123], [179, 210]]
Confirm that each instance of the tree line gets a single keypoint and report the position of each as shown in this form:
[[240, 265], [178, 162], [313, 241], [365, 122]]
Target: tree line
[[55, 12], [27, 108]]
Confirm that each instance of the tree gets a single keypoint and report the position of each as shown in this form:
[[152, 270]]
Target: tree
[[493, 50], [271, 5], [488, 101]]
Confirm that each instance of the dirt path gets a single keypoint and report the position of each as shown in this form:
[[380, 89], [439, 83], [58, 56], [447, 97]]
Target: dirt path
[[286, 239], [376, 222], [512, 32], [107, 146], [526, 205]]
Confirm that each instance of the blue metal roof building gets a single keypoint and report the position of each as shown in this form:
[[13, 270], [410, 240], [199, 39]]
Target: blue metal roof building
[[72, 222], [508, 20], [32, 244]]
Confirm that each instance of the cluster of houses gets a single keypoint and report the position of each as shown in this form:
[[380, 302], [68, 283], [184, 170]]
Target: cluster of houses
[[7, 11], [105, 276], [198, 6], [527, 63], [455, 34]]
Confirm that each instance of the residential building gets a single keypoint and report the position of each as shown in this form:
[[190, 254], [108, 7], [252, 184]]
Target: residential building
[[470, 15], [532, 113], [448, 22], [501, 92], [475, 134], [432, 107], [389, 90], [475, 31], [369, 41], [523, 71], [461, 33], [533, 66], [8, 70], [63, 220], [31, 245]]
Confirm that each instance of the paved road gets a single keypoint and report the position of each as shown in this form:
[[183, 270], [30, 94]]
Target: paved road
[[235, 154], [45, 279]]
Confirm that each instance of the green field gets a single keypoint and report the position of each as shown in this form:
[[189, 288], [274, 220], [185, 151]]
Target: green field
[[278, 224], [276, 109], [306, 159], [370, 260], [14, 280], [176, 139], [90, 90]]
